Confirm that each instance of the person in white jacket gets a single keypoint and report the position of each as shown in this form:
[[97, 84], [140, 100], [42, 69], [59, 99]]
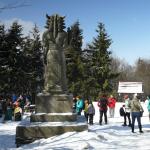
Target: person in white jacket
[[127, 111]]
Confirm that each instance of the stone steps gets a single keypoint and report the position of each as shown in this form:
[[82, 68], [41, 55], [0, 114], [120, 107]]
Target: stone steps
[[28, 132], [53, 117]]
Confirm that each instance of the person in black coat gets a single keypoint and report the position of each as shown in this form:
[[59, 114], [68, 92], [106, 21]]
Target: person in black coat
[[4, 109], [103, 104]]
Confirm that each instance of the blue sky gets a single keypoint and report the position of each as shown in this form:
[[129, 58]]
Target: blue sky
[[126, 21]]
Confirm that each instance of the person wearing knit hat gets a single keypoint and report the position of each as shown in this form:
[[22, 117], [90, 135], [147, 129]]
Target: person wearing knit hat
[[136, 112]]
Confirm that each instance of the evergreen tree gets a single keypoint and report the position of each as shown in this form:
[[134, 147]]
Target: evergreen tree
[[88, 78], [34, 61], [21, 61], [27, 64], [37, 59], [14, 42], [3, 46], [3, 58], [101, 60], [74, 59]]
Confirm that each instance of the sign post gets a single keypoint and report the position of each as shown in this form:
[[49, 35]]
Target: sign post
[[130, 87]]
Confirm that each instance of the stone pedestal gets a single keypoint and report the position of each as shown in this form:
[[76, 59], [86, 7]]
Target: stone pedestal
[[30, 131], [53, 103], [53, 117]]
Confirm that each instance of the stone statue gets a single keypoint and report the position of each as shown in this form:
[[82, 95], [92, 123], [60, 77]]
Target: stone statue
[[54, 41]]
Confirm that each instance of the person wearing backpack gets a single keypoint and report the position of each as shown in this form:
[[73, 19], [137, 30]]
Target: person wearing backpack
[[148, 105], [136, 109], [122, 111], [102, 104], [127, 111]]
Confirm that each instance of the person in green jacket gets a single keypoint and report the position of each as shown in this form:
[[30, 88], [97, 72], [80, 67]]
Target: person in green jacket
[[136, 109], [86, 103]]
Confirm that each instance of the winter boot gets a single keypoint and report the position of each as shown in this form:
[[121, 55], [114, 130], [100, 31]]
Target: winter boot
[[129, 123], [132, 127], [100, 122], [124, 124], [140, 129]]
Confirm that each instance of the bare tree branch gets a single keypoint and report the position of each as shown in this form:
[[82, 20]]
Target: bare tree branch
[[14, 5]]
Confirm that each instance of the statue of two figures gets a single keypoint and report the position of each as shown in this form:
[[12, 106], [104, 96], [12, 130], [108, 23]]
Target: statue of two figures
[[54, 41]]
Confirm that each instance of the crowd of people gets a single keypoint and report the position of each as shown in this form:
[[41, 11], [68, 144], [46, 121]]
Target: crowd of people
[[130, 110], [89, 110], [87, 106], [13, 107]]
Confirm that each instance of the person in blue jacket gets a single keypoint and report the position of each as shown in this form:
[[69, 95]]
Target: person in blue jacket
[[148, 105], [79, 105]]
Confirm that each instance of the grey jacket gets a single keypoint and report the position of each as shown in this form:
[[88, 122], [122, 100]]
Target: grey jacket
[[135, 105], [91, 109]]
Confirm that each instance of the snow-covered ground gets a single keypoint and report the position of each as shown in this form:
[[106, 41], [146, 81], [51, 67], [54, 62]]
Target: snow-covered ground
[[111, 136]]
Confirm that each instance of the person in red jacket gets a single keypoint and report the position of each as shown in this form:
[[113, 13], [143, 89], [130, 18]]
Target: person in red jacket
[[111, 105]]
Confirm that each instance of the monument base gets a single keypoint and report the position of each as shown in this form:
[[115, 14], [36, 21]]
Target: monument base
[[53, 117], [53, 103], [31, 131]]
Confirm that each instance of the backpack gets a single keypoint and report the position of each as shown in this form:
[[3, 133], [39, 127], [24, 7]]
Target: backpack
[[103, 103], [83, 107], [122, 113]]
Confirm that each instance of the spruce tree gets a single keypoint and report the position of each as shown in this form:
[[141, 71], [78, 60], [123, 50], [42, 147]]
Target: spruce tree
[[88, 78], [34, 61], [37, 59], [101, 60], [15, 74], [74, 59], [3, 59]]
